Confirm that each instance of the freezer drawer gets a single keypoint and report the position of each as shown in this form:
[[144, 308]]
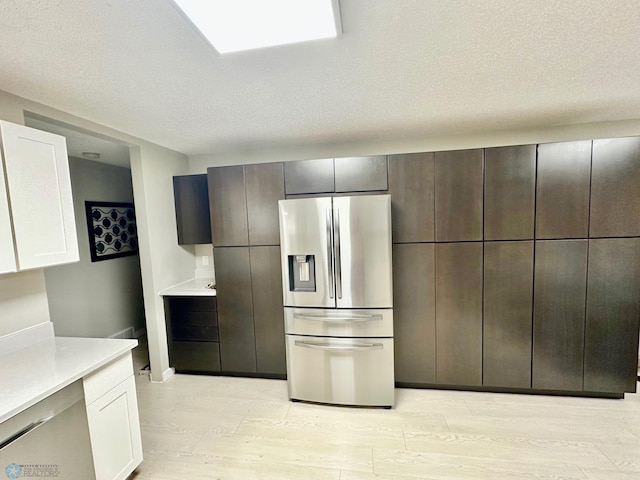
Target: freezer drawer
[[339, 323], [346, 371]]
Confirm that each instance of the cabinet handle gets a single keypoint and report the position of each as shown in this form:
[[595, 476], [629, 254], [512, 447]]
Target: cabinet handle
[[338, 319], [357, 347]]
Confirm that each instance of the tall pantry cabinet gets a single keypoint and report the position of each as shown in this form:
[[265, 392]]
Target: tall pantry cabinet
[[37, 225]]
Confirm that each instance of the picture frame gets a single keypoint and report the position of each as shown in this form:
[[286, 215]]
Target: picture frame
[[112, 230]]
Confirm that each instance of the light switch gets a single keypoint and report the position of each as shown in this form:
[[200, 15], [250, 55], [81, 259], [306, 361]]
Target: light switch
[[205, 260]]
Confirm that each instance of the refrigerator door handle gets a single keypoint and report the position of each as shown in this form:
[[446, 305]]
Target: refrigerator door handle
[[330, 254], [356, 347], [336, 229], [338, 319]]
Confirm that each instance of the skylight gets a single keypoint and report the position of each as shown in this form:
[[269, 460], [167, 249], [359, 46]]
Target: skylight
[[236, 25]]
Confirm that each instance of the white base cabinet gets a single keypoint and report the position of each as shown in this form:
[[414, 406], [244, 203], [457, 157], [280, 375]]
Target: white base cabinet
[[112, 415], [36, 207]]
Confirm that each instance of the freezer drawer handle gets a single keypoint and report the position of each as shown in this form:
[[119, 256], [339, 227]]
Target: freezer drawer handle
[[357, 347], [330, 252], [329, 319]]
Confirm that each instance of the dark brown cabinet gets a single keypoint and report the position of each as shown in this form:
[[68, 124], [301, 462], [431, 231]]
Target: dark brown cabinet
[[510, 183], [508, 303], [458, 195], [459, 313], [562, 191], [192, 209], [615, 191], [414, 313], [361, 174], [613, 312], [268, 316], [559, 314], [192, 334], [309, 176], [411, 185], [228, 206], [235, 309], [264, 184]]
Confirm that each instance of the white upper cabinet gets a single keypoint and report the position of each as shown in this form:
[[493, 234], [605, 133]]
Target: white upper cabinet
[[39, 191], [7, 252]]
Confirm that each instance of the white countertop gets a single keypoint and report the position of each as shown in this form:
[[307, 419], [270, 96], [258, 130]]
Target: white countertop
[[32, 373], [196, 287]]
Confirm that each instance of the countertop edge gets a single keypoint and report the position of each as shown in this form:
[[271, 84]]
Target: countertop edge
[[194, 287]]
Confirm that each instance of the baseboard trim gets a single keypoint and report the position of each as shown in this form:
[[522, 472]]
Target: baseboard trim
[[140, 332], [166, 375]]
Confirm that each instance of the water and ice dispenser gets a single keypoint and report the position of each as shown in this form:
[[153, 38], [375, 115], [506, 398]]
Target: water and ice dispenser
[[302, 273]]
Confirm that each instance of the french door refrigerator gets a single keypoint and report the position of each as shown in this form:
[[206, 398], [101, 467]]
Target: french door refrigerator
[[338, 299]]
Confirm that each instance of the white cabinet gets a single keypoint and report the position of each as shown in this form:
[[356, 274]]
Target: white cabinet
[[114, 425], [39, 195], [7, 252]]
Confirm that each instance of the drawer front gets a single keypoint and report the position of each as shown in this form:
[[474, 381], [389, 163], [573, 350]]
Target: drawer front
[[195, 356], [193, 304], [354, 371], [100, 382], [194, 333], [339, 323]]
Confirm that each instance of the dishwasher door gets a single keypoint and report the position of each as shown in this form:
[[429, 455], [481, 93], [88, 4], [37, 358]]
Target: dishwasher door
[[49, 439], [345, 371]]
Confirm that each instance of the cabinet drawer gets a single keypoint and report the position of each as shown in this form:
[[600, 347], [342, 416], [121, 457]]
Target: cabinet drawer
[[103, 380], [195, 356], [194, 333], [192, 304]]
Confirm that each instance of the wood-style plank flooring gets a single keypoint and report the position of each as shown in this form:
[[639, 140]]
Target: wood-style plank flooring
[[201, 427]]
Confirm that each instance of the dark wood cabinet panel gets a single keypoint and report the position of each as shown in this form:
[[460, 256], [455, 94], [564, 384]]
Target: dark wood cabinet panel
[[459, 313], [361, 174], [235, 309], [264, 186], [509, 198], [309, 176], [414, 313], [559, 314], [615, 188], [191, 198], [411, 185], [268, 311], [562, 191], [613, 312], [228, 206], [458, 195], [196, 357], [508, 307]]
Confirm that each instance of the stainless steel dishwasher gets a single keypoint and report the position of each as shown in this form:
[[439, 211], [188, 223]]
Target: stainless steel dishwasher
[[49, 439]]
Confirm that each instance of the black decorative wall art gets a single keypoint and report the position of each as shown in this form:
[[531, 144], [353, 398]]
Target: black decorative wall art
[[112, 230]]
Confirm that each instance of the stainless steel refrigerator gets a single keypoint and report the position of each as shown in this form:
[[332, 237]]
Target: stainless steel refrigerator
[[338, 298]]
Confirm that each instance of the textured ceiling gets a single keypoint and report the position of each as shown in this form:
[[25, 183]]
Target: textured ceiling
[[402, 68]]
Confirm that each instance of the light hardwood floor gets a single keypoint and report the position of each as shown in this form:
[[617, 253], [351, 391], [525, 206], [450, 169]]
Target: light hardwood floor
[[200, 427]]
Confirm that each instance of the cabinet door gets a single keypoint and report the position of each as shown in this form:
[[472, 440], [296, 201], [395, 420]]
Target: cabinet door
[[508, 303], [114, 428], [458, 195], [192, 209], [228, 206], [265, 186], [39, 184], [615, 188], [309, 176], [7, 252], [268, 311], [235, 309], [613, 310], [414, 290], [510, 183], [459, 313], [361, 174], [559, 313], [411, 185], [562, 192]]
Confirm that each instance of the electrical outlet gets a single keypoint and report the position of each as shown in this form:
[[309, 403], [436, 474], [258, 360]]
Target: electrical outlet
[[205, 260]]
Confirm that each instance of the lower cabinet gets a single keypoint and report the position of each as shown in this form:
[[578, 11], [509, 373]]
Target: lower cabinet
[[114, 424]]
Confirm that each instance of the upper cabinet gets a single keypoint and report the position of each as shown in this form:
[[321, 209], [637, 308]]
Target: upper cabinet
[[339, 175], [615, 196], [192, 209], [562, 197], [243, 203], [510, 184], [458, 195], [39, 194]]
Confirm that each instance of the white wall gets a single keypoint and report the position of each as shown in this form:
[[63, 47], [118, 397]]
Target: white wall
[[95, 299]]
